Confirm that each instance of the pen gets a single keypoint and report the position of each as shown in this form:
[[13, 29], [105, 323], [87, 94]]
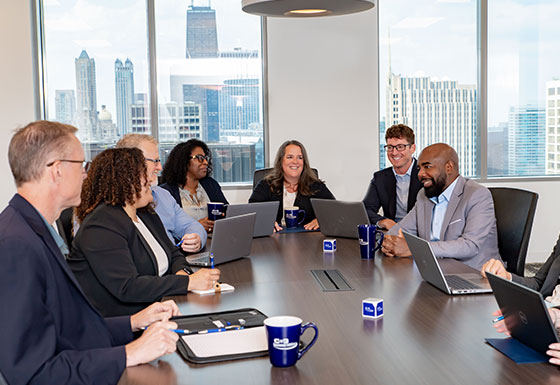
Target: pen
[[497, 319], [211, 260], [180, 243], [178, 331]]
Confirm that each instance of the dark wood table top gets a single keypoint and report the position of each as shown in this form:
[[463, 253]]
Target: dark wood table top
[[425, 336]]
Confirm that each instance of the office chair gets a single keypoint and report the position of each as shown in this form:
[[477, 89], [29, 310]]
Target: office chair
[[65, 224], [515, 210], [259, 174]]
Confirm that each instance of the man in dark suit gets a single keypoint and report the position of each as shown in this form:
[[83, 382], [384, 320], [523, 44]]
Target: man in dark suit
[[50, 332], [394, 188]]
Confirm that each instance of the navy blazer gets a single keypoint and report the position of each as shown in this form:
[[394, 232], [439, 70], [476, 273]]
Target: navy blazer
[[382, 192], [116, 267], [50, 332], [263, 193], [210, 185]]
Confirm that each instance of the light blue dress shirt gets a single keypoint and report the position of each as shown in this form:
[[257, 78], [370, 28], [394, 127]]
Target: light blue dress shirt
[[438, 212], [403, 185], [175, 220], [57, 238]]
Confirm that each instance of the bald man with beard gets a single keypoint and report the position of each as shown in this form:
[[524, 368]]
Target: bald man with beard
[[454, 213]]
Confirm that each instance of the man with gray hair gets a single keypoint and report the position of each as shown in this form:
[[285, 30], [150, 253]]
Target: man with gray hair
[[178, 224], [50, 331]]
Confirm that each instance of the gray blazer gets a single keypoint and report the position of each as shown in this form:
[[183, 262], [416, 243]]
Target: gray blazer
[[468, 233]]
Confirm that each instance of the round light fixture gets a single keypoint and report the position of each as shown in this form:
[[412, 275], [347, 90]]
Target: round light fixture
[[305, 8]]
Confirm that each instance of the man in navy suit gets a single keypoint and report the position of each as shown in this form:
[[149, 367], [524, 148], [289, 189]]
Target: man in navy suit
[[49, 332], [394, 188]]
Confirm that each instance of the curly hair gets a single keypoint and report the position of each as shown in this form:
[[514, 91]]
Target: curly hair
[[400, 131], [276, 176], [177, 163], [116, 176]]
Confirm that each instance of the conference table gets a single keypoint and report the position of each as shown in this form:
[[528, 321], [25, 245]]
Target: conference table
[[424, 337]]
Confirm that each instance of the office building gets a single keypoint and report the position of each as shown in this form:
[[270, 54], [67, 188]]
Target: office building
[[553, 127], [207, 97], [86, 95], [65, 104], [124, 92], [202, 35], [437, 111], [498, 150], [239, 107], [107, 129], [526, 141]]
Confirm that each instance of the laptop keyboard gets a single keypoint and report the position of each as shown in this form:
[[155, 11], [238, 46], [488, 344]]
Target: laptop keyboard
[[457, 283]]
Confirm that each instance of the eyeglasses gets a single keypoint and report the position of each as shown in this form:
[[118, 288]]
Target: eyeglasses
[[399, 147], [85, 164], [201, 158], [156, 161]]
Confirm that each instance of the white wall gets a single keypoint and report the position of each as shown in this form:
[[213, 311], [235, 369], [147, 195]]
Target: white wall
[[16, 82], [322, 91]]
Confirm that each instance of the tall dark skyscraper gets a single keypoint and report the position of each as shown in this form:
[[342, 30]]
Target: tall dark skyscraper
[[202, 36], [86, 95], [124, 89]]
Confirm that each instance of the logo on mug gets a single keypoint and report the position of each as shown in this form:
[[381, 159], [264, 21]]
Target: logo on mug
[[363, 243], [216, 212], [284, 344]]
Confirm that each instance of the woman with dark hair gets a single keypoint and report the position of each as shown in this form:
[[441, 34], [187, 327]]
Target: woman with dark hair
[[121, 255], [186, 175], [292, 182]]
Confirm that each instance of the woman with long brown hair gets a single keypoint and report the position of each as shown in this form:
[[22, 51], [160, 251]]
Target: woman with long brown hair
[[121, 255], [292, 182]]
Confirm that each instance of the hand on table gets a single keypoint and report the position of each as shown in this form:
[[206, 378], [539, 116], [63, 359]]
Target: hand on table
[[495, 267], [156, 341], [313, 225], [207, 224], [395, 246], [191, 243], [203, 279], [277, 227], [158, 311]]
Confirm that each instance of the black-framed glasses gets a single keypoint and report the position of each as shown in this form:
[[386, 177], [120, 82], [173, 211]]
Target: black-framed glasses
[[85, 163], [398, 147], [201, 158], [156, 161]]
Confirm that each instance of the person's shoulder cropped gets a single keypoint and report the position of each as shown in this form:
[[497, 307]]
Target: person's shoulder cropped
[[210, 185]]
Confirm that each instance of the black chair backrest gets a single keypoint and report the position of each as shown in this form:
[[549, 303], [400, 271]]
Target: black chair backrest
[[259, 174], [3, 380], [66, 222], [515, 210]]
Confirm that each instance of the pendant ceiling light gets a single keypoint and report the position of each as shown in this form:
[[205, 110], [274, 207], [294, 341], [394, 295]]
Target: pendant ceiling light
[[305, 8]]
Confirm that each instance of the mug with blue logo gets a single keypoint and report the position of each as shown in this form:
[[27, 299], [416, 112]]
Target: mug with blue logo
[[215, 210], [292, 216], [370, 239], [283, 334]]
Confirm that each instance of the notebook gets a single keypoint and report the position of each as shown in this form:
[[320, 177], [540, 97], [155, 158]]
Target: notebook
[[339, 218], [470, 283], [232, 240]]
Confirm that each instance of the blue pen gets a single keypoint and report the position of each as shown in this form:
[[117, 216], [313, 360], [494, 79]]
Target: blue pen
[[497, 319], [211, 260], [178, 331], [180, 243]]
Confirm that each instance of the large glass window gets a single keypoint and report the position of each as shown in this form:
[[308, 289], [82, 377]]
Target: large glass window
[[428, 74], [523, 85], [209, 76]]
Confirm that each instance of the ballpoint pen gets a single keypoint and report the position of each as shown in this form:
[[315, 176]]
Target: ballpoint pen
[[497, 319], [178, 331], [180, 243]]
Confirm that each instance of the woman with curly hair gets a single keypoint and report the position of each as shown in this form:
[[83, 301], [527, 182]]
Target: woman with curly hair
[[292, 182], [121, 255], [186, 175]]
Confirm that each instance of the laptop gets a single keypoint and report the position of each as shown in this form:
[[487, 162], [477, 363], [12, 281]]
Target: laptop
[[426, 261], [525, 313], [266, 215], [232, 240], [339, 218]]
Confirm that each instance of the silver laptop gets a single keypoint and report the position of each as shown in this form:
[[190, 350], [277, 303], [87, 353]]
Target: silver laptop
[[469, 283], [266, 215], [232, 240], [339, 218]]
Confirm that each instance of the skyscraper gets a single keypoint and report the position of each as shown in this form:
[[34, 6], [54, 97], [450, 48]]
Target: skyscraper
[[437, 111], [86, 92], [202, 36], [124, 89], [553, 127], [65, 103], [526, 141], [239, 105]]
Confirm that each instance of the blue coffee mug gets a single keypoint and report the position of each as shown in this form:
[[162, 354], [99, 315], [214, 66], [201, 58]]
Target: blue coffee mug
[[215, 210], [371, 239], [283, 334], [292, 216]]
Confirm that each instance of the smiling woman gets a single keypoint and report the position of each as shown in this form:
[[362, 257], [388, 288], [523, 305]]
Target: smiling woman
[[292, 182]]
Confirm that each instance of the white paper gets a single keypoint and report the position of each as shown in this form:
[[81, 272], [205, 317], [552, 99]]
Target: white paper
[[224, 286], [228, 342]]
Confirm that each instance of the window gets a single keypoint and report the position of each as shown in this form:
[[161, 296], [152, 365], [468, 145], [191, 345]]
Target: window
[[209, 76], [428, 65]]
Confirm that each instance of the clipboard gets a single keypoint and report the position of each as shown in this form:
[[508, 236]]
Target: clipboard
[[246, 339]]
